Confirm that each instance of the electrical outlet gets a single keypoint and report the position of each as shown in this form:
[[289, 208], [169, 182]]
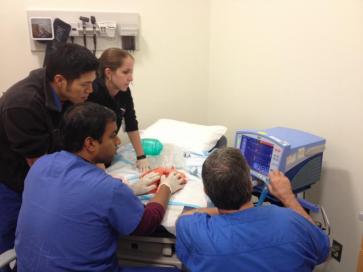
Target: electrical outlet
[[336, 250]]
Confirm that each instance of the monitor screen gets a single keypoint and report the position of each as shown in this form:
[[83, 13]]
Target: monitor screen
[[257, 153]]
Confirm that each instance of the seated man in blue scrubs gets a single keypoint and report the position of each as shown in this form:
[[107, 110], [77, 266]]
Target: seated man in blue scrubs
[[73, 211], [236, 236]]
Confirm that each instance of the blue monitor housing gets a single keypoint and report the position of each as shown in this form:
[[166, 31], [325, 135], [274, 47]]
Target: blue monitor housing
[[296, 153]]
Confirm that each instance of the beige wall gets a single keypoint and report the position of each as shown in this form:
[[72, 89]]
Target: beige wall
[[297, 64], [171, 67], [243, 64], [16, 59]]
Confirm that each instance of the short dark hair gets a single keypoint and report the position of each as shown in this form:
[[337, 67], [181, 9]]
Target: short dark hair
[[70, 61], [84, 120], [112, 58], [226, 179]]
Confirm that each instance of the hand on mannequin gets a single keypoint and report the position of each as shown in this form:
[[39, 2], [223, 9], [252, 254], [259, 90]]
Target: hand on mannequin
[[143, 165], [175, 181], [101, 166], [145, 184], [120, 178]]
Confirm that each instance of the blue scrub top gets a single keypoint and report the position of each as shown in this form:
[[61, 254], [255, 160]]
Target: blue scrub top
[[267, 238], [71, 216]]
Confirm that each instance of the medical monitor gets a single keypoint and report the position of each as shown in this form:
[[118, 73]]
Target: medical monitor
[[297, 154]]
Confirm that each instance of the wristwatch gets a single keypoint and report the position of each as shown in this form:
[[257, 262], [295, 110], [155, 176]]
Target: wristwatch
[[141, 157]]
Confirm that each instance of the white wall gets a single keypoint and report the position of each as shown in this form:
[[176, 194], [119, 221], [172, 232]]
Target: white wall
[[171, 67], [16, 59], [297, 64]]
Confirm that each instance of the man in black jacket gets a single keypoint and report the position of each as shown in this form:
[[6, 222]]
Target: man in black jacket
[[30, 112]]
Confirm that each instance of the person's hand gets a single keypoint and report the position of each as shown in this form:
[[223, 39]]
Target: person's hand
[[175, 181], [101, 166], [120, 178], [280, 186], [143, 165], [145, 184]]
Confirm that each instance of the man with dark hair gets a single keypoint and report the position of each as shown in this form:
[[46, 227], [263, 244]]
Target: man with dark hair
[[30, 111], [236, 236], [73, 211]]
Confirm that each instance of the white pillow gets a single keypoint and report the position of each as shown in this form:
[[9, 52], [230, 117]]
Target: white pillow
[[191, 137]]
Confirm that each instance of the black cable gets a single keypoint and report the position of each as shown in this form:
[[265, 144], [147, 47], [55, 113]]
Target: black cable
[[84, 20], [84, 37], [93, 21]]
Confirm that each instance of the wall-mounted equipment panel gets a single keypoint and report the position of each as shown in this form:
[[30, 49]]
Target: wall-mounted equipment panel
[[93, 29]]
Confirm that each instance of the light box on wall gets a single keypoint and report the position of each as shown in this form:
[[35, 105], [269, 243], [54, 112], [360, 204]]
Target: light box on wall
[[41, 28]]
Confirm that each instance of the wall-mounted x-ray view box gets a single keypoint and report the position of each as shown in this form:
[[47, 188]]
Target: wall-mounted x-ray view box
[[296, 153], [41, 28]]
